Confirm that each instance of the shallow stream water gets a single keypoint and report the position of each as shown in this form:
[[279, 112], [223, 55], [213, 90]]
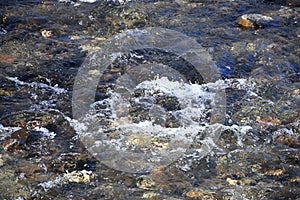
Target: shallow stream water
[[149, 99]]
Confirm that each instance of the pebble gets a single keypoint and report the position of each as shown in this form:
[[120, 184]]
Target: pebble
[[249, 21]]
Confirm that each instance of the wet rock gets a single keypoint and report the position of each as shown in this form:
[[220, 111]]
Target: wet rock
[[168, 102], [16, 147], [29, 171], [21, 135], [290, 116], [146, 183], [83, 176], [170, 180], [249, 21], [16, 142], [70, 162], [289, 140], [167, 179], [134, 18], [228, 140]]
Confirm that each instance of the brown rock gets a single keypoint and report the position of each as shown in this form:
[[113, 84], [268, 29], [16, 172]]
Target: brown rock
[[10, 144], [245, 23]]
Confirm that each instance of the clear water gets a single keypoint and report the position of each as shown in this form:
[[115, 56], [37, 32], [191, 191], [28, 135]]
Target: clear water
[[152, 126]]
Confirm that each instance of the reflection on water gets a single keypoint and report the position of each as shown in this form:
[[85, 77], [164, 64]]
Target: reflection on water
[[256, 155]]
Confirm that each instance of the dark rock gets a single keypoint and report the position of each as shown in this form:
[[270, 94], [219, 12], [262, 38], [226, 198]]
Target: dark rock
[[21, 134]]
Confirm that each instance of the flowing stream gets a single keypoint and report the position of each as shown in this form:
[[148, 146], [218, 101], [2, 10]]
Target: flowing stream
[[149, 99]]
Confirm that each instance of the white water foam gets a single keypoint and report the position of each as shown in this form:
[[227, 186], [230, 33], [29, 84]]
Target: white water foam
[[152, 143], [55, 89]]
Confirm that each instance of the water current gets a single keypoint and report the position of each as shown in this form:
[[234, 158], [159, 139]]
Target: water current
[[184, 99]]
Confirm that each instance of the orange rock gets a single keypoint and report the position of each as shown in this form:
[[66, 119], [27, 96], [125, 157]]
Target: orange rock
[[269, 120], [248, 21], [276, 122], [245, 23]]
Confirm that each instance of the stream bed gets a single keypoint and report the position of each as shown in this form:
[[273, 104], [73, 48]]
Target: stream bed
[[150, 99]]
